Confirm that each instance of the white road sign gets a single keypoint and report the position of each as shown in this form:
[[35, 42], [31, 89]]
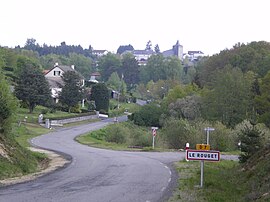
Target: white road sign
[[202, 155]]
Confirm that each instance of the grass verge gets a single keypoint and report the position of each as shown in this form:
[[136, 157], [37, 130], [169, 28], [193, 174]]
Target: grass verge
[[222, 182]]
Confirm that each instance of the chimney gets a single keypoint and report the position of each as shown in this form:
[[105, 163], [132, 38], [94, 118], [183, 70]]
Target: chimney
[[73, 66], [56, 64]]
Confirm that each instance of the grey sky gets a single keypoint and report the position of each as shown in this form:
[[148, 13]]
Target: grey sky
[[206, 25]]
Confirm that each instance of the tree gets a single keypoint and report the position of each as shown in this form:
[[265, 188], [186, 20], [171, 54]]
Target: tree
[[251, 142], [229, 99], [148, 46], [157, 50], [31, 86], [262, 100], [114, 81], [72, 91], [148, 115], [8, 105], [124, 48], [130, 70], [100, 94], [108, 64]]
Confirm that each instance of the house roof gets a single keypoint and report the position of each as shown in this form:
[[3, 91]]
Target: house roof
[[55, 82], [143, 52], [99, 51], [194, 52], [168, 53], [64, 68]]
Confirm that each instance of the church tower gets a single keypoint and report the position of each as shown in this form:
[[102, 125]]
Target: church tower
[[178, 50]]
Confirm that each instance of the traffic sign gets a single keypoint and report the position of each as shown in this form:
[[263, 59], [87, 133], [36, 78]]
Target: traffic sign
[[200, 155], [154, 132], [202, 146]]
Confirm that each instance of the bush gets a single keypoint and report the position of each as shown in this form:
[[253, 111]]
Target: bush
[[148, 115], [116, 133], [140, 138]]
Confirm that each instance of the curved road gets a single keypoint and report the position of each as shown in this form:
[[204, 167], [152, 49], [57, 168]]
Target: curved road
[[97, 175]]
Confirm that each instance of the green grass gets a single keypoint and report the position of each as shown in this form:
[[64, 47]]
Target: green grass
[[222, 182], [28, 131]]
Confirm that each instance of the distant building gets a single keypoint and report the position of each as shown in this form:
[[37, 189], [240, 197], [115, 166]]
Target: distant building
[[194, 55], [54, 78], [177, 50], [99, 53]]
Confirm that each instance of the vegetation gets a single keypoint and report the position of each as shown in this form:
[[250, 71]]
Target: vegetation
[[100, 94], [32, 87], [71, 92]]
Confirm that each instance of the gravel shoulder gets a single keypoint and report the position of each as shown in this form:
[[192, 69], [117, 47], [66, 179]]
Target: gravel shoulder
[[56, 161]]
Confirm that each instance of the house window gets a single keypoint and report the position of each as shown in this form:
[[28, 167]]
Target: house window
[[56, 73]]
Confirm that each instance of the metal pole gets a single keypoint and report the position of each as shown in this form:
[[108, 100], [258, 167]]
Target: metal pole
[[202, 168], [207, 136], [153, 144]]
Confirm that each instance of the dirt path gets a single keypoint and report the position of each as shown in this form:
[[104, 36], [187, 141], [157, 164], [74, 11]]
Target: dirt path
[[56, 161]]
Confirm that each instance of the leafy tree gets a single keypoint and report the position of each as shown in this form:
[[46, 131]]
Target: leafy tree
[[251, 142], [8, 105], [72, 91], [148, 115], [130, 70], [262, 100], [32, 87], [122, 49], [100, 94], [186, 108], [82, 63], [108, 64], [148, 46], [114, 81], [176, 133], [229, 100], [160, 68], [157, 50]]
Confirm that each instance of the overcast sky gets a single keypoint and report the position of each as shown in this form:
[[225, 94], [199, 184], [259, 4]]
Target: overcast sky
[[206, 25]]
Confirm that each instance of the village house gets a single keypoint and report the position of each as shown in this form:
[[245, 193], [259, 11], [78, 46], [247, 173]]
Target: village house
[[54, 78]]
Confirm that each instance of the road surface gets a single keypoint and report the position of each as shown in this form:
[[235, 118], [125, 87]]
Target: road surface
[[97, 175]]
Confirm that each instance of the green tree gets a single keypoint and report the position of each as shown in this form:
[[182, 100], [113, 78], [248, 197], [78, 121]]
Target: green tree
[[100, 94], [130, 70], [108, 64], [8, 105], [148, 115], [83, 64], [72, 91], [114, 81], [229, 99], [31, 86], [124, 48], [262, 100], [251, 142]]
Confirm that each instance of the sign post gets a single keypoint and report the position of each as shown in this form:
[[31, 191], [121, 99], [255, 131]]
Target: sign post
[[154, 133], [202, 153]]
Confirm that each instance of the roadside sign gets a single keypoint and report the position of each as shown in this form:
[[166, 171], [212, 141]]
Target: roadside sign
[[154, 132], [202, 146], [201, 155]]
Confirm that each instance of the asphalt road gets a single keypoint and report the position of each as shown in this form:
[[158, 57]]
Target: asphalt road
[[97, 175]]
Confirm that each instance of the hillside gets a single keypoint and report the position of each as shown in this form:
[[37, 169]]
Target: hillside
[[257, 176]]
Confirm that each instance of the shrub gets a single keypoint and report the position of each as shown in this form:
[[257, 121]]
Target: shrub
[[148, 115], [251, 142], [116, 133]]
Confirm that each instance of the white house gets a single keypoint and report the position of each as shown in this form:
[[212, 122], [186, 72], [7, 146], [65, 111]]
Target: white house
[[100, 53], [54, 78]]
